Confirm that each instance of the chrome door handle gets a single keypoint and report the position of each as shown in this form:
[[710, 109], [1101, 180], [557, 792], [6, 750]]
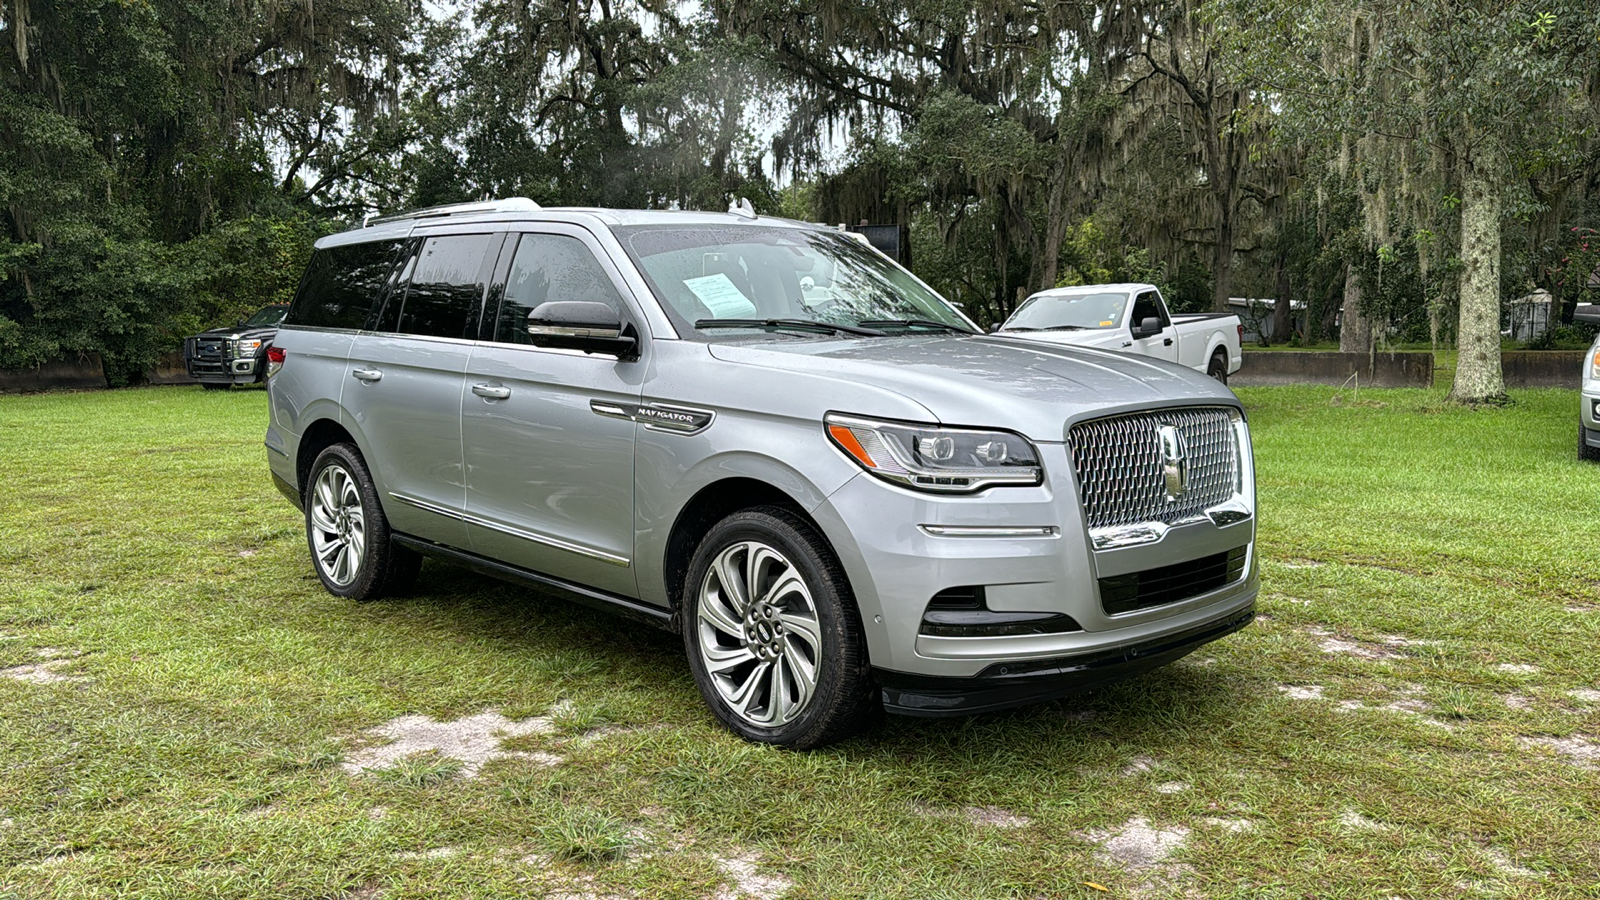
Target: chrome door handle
[[370, 376], [491, 391]]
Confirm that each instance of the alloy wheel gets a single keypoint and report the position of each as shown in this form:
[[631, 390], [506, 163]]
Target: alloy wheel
[[759, 637], [338, 525]]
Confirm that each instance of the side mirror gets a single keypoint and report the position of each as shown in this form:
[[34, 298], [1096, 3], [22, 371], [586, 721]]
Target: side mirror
[[581, 325], [1150, 325]]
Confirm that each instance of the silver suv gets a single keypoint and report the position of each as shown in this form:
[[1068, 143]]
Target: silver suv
[[768, 437]]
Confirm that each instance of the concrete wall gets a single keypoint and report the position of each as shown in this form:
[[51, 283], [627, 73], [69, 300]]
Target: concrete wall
[[1542, 368], [1331, 367], [83, 372], [169, 369]]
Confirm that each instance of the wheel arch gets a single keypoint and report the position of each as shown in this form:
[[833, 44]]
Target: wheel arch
[[711, 504], [318, 436]]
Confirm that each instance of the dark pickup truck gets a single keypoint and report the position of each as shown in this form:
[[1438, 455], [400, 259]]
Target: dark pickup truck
[[233, 354]]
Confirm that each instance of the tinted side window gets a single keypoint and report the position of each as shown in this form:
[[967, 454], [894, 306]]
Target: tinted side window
[[1146, 306], [550, 267], [341, 284], [446, 285]]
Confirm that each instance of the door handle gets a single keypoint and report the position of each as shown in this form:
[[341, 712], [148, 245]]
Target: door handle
[[491, 391], [1167, 342], [370, 376], [1127, 343]]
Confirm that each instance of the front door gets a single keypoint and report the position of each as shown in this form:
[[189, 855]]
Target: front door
[[1148, 305], [549, 477]]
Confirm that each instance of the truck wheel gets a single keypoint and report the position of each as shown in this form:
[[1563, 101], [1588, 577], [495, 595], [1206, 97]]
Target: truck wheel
[[351, 546], [773, 635], [1586, 452], [1218, 367]]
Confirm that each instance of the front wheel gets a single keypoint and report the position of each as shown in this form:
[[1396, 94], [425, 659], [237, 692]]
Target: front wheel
[[351, 545], [773, 635], [1218, 367]]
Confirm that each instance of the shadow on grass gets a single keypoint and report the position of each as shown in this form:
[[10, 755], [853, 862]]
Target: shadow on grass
[[1158, 713]]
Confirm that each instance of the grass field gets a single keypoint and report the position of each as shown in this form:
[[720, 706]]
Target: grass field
[[184, 712]]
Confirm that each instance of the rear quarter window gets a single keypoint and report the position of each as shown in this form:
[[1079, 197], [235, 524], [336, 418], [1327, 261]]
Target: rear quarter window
[[342, 284]]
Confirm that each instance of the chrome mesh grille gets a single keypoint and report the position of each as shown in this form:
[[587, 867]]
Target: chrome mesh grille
[[1118, 461]]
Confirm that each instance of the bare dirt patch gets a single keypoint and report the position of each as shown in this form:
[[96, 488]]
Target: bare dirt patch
[[1171, 787], [995, 817], [43, 673], [1137, 844], [1517, 668], [1517, 701], [1335, 645], [1357, 822], [747, 879], [1585, 695], [1505, 865], [1302, 692], [434, 853], [1138, 766], [1232, 826], [1581, 750], [473, 740]]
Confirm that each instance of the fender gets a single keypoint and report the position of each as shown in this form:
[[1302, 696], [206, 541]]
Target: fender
[[654, 521]]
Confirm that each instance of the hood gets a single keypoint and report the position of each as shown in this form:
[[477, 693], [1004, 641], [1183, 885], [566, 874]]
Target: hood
[[234, 331], [997, 382]]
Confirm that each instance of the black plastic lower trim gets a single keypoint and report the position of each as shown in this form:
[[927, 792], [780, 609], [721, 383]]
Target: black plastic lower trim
[[612, 603], [288, 490], [1004, 685]]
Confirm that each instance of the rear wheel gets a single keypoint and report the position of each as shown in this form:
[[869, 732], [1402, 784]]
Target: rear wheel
[[1218, 367], [351, 546], [773, 635], [1586, 452]]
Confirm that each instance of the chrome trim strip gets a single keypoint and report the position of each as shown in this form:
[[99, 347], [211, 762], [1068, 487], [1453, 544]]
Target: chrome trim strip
[[534, 537], [1231, 512], [979, 531], [657, 416], [425, 506]]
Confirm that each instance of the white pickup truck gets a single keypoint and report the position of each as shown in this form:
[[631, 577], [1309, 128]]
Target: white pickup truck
[[1131, 318]]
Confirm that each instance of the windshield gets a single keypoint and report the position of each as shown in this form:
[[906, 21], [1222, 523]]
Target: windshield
[[268, 316], [1071, 311], [754, 275]]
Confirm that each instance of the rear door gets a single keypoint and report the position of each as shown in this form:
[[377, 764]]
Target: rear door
[[549, 460], [404, 381], [1148, 305]]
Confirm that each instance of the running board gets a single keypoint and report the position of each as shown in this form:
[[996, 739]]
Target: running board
[[612, 603]]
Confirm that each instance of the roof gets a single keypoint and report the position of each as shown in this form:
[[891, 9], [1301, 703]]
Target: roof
[[521, 209]]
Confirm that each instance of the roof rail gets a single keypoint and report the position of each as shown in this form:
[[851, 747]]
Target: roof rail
[[509, 204]]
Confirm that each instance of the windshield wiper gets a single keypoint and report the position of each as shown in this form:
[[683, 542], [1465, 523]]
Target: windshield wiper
[[795, 324], [915, 323]]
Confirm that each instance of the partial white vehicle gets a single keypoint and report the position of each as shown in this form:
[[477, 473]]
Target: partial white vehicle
[[1131, 318], [1589, 406]]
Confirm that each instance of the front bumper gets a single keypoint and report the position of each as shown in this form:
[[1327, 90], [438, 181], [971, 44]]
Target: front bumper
[[1001, 686], [1589, 412], [896, 566]]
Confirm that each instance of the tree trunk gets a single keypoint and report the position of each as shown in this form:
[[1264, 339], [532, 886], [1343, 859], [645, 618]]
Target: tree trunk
[[1478, 375], [1222, 263], [1355, 329], [1282, 310]]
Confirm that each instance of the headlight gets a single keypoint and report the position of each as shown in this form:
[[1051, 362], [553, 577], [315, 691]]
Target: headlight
[[247, 348], [1594, 364], [931, 458]]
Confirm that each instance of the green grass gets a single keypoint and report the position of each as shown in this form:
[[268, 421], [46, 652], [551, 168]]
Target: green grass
[[219, 694]]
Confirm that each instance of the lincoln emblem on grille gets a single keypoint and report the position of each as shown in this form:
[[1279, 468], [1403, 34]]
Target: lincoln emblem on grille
[[1174, 465]]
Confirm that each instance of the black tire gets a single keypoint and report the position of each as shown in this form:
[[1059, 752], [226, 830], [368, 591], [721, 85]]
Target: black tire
[[1586, 452], [214, 386], [816, 624], [352, 549], [1218, 367]]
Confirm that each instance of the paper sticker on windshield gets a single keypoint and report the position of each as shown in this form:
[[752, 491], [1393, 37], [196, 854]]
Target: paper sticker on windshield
[[721, 296], [1107, 324]]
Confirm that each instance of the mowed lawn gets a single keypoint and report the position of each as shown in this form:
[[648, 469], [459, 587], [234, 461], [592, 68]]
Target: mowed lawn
[[184, 712]]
